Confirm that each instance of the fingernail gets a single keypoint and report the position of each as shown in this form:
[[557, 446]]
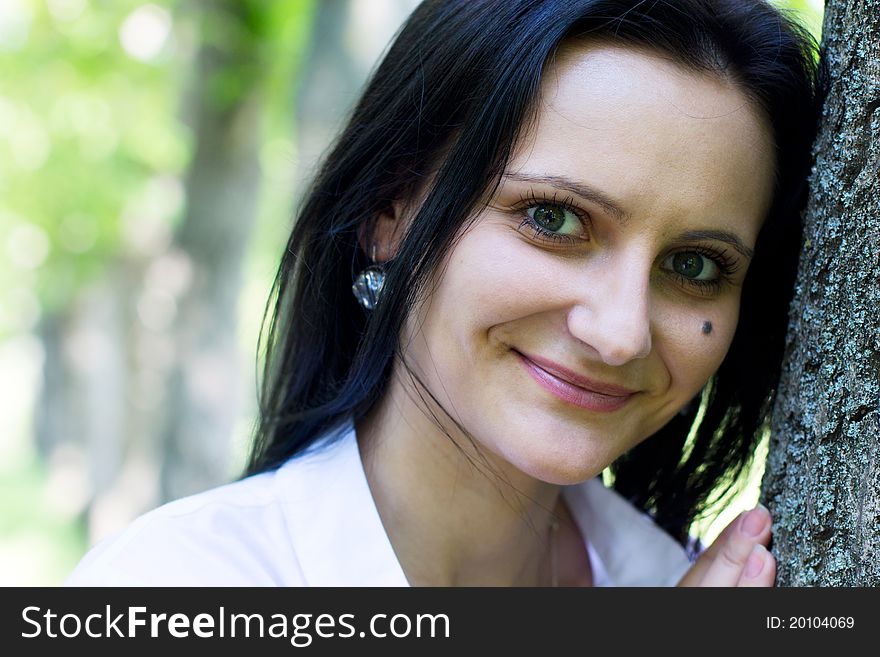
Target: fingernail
[[754, 522], [755, 562]]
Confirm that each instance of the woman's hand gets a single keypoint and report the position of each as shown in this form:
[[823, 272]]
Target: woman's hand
[[739, 556]]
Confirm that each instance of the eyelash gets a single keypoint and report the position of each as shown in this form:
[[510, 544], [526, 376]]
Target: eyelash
[[727, 266], [531, 200]]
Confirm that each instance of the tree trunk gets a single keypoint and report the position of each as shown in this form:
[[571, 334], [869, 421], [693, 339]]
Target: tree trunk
[[347, 40], [222, 189], [822, 483]]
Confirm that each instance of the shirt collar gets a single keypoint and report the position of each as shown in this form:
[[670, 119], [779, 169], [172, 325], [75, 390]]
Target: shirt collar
[[339, 539], [626, 547], [333, 522]]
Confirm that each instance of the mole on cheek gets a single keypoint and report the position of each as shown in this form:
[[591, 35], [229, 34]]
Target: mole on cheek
[[707, 327]]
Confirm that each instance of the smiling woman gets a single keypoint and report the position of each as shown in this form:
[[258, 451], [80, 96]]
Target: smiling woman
[[565, 222]]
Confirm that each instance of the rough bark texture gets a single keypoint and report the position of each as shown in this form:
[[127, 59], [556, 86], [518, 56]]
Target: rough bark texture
[[822, 482]]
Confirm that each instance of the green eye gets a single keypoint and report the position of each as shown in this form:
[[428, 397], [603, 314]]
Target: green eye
[[693, 266], [553, 221], [554, 218]]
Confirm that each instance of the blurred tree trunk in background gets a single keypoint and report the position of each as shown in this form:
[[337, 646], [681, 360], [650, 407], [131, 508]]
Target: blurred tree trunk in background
[[822, 481], [348, 39], [81, 421], [222, 190], [329, 85]]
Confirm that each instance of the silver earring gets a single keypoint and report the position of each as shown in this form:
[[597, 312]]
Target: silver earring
[[368, 284]]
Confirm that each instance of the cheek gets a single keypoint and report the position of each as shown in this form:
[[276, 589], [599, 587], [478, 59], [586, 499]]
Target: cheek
[[490, 279], [481, 283], [691, 354]]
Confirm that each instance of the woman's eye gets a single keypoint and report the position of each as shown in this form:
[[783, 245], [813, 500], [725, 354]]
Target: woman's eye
[[693, 266], [554, 218]]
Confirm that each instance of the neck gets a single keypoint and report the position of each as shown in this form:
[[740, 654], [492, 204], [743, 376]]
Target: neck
[[455, 514]]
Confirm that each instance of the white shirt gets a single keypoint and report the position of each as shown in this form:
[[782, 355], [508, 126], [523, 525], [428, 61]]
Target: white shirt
[[313, 522]]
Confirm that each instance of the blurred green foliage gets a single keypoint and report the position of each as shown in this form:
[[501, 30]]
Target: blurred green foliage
[[40, 544], [93, 130], [86, 129], [94, 145], [808, 12]]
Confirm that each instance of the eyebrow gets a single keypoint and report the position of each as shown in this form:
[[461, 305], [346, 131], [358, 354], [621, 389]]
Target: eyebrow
[[611, 207], [585, 192], [721, 236]]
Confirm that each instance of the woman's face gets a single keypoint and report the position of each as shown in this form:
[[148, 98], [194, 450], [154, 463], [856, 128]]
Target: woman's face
[[621, 230]]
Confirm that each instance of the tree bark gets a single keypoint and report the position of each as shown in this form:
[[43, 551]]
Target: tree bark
[[822, 481]]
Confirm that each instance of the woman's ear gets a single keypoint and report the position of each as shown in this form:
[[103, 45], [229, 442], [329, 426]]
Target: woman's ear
[[388, 228]]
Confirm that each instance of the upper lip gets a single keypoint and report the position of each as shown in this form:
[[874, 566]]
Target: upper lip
[[576, 379]]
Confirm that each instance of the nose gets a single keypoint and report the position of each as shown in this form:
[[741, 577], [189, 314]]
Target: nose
[[611, 313]]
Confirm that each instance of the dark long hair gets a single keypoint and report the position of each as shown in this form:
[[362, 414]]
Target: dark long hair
[[454, 93]]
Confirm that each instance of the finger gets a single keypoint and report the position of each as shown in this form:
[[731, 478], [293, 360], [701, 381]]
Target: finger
[[760, 569], [728, 562], [697, 573]]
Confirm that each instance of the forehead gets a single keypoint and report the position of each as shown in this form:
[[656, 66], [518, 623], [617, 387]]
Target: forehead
[[668, 142]]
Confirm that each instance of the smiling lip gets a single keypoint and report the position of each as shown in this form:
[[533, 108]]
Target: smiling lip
[[573, 388]]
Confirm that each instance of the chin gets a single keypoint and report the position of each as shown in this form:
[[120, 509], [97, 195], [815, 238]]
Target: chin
[[561, 467], [545, 446]]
